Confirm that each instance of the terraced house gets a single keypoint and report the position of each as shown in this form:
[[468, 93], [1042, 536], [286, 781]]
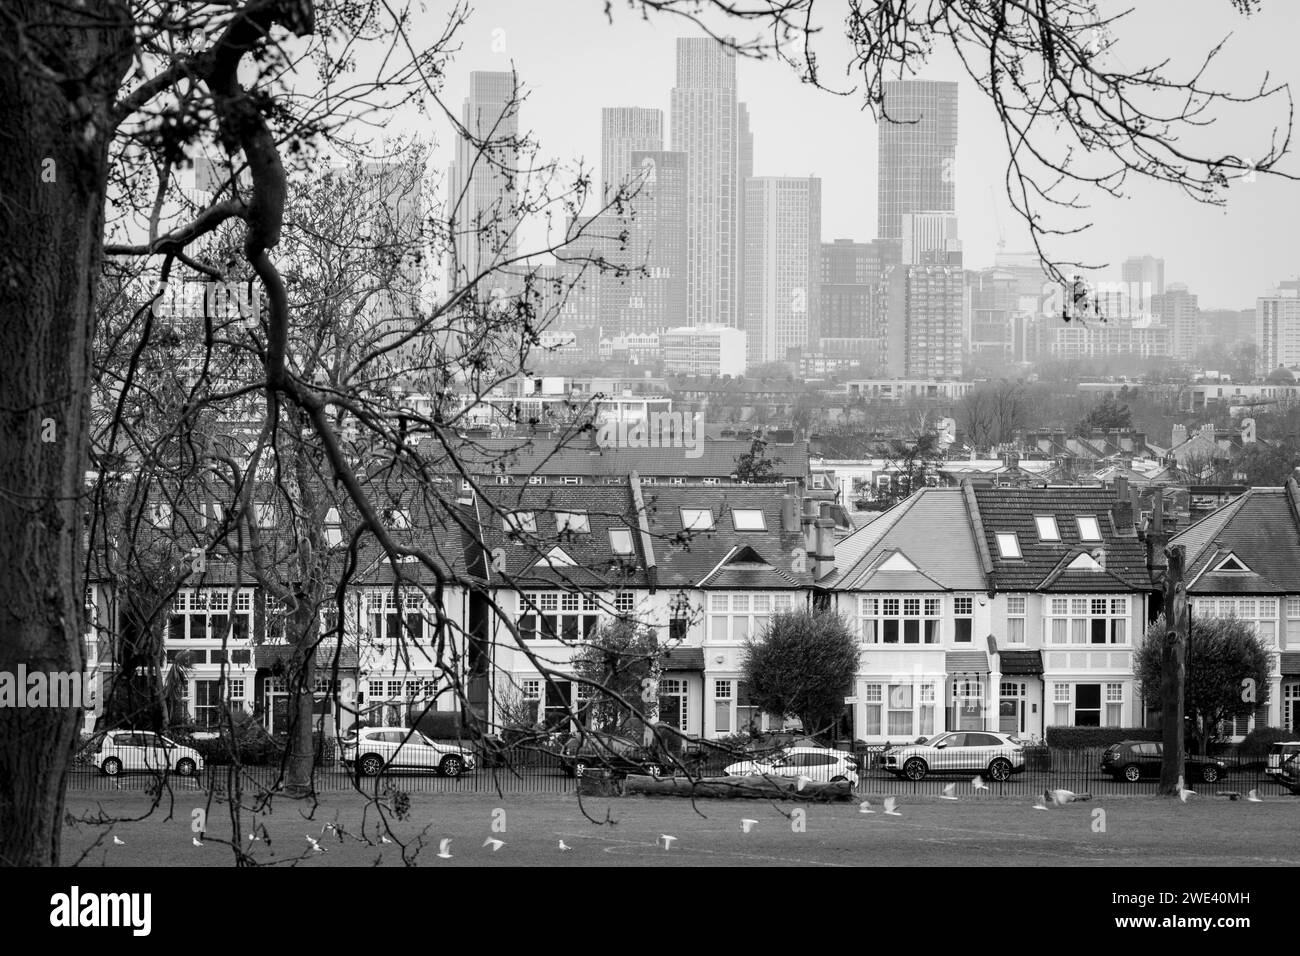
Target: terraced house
[[994, 609], [1243, 561]]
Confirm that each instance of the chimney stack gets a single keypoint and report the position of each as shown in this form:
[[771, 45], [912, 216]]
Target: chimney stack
[[824, 552], [789, 514], [809, 524], [1121, 488]]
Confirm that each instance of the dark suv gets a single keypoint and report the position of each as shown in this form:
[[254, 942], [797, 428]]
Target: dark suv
[[593, 750], [1134, 759]]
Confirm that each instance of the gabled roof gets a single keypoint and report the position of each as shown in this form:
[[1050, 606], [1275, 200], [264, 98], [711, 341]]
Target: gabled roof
[[1261, 530], [932, 528], [764, 559], [1043, 565]]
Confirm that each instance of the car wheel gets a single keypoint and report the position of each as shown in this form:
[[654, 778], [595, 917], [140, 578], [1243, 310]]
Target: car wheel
[[370, 765], [915, 769], [1209, 774], [451, 766], [1132, 773], [839, 778], [579, 767], [1000, 770], [111, 767], [185, 767]]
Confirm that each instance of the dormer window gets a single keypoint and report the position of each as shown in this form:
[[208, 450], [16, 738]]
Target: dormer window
[[620, 541], [697, 519], [1008, 545], [520, 522], [1047, 529], [1089, 528], [572, 522], [748, 519], [333, 528]]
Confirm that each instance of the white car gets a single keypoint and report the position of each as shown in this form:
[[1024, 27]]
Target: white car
[[144, 750], [958, 751], [819, 764], [374, 749], [1278, 754]]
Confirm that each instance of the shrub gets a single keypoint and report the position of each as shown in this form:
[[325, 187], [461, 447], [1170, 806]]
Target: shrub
[[1257, 742], [1082, 738]]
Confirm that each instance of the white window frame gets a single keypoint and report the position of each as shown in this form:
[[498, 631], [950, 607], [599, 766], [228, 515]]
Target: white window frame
[[1008, 544], [1017, 606], [619, 533], [1259, 612], [735, 616], [877, 610], [753, 519], [697, 516], [1075, 614], [1093, 525], [1047, 523], [572, 522]]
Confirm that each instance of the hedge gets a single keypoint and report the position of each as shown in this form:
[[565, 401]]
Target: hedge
[[1082, 738]]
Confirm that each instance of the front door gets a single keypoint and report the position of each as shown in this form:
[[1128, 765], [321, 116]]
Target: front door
[[1011, 708]]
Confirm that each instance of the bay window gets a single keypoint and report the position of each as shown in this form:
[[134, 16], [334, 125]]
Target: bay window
[[737, 617], [1086, 620], [558, 615], [900, 620], [1259, 613], [391, 618]]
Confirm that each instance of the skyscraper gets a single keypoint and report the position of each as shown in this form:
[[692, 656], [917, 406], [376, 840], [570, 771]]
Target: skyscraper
[[917, 152], [624, 130], [1177, 309], [658, 236], [782, 264], [1145, 277], [482, 189], [706, 126], [1277, 328]]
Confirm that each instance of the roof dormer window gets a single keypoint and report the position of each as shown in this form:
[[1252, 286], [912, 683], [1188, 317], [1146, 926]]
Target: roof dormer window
[[1008, 544], [1047, 529]]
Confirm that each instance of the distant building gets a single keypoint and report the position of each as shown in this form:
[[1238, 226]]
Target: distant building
[[623, 131], [1146, 273], [704, 350], [917, 152], [929, 237], [1048, 337], [1177, 309], [782, 268], [925, 314], [1224, 329], [851, 316], [1277, 328], [997, 323], [706, 127]]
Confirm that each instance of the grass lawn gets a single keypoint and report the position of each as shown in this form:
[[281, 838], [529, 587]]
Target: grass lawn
[[977, 829]]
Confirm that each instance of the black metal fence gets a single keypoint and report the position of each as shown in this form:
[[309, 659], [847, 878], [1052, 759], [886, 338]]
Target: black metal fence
[[543, 772]]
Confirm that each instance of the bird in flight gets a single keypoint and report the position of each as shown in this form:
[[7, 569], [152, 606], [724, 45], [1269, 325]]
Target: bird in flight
[[978, 783], [949, 792], [865, 807], [746, 825], [890, 804], [668, 840], [444, 848], [1254, 797], [494, 844]]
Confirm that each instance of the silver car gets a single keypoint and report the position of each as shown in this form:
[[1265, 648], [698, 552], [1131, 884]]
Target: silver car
[[958, 751], [375, 749]]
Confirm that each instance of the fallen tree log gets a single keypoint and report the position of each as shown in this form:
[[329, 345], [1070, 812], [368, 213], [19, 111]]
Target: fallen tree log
[[753, 787]]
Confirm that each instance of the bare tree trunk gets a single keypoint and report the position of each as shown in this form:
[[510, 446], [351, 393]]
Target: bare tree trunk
[[302, 752], [1173, 670], [53, 171]]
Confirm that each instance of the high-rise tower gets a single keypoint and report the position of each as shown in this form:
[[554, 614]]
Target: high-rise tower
[[917, 152]]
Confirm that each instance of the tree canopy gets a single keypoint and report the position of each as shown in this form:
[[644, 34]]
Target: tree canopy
[[803, 665]]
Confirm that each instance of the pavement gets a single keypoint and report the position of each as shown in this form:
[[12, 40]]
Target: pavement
[[975, 829]]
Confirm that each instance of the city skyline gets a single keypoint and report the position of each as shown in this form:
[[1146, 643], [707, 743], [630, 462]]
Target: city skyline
[[1217, 251]]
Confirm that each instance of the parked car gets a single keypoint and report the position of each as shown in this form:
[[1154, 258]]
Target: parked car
[[595, 750], [958, 751], [820, 764], [371, 750], [145, 750], [1278, 755], [1134, 759]]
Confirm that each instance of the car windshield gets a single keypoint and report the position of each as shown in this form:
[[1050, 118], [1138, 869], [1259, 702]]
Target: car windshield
[[938, 739]]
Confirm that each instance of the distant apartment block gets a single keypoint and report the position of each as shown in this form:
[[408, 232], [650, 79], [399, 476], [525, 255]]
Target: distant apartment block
[[704, 350], [782, 268], [1146, 273], [917, 152], [623, 131], [1277, 328], [929, 238], [1048, 337], [925, 317], [1177, 309], [706, 127], [850, 304]]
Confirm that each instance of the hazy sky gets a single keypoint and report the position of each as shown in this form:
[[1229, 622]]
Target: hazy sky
[[573, 62]]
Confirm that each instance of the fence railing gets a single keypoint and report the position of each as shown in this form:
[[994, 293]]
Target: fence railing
[[544, 772]]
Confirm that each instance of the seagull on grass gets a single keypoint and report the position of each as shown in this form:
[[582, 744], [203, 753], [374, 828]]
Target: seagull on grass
[[746, 825], [564, 846], [197, 842], [890, 804], [949, 792], [1254, 797], [978, 783], [1183, 792], [444, 848], [118, 841], [865, 807]]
